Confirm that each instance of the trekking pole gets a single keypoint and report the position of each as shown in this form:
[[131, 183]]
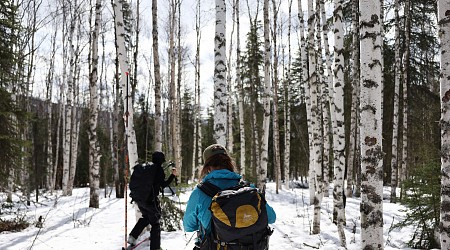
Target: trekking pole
[[126, 161]]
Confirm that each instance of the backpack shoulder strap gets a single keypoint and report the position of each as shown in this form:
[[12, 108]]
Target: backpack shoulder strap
[[208, 188]]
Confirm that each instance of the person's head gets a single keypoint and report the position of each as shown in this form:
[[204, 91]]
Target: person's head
[[216, 157], [158, 157]]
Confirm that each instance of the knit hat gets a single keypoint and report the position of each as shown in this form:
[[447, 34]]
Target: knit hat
[[158, 157], [213, 149]]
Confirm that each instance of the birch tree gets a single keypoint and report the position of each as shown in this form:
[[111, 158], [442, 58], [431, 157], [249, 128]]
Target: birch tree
[[125, 69], [197, 152], [230, 139], [444, 36], [94, 157], [276, 130], [50, 79], [120, 190], [75, 110], [262, 171], [240, 86], [354, 113], [287, 105], [220, 85], [157, 73], [178, 143], [338, 121], [328, 109], [69, 98], [371, 144], [173, 89], [404, 79], [394, 162], [314, 126]]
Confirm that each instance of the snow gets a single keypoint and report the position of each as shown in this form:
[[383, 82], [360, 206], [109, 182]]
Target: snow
[[70, 224]]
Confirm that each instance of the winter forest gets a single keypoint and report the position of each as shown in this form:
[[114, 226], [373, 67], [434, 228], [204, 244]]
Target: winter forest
[[339, 97]]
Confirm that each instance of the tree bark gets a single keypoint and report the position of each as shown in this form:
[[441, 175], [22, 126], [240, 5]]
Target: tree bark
[[69, 102], [444, 36], [315, 134], [276, 129], [157, 73], [287, 106], [394, 162], [75, 113], [197, 152], [354, 113], [405, 61], [264, 159], [94, 156], [371, 129], [126, 96], [338, 122], [241, 94], [49, 84], [220, 84], [328, 109]]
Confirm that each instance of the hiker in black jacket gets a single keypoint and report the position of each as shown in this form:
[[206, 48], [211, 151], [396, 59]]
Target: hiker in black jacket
[[150, 207]]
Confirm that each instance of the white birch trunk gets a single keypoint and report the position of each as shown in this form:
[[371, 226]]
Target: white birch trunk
[[287, 106], [68, 109], [394, 162], [177, 146], [338, 122], [230, 140], [125, 85], [262, 171], [197, 154], [115, 113], [276, 130], [157, 72], [75, 113], [94, 157], [49, 94], [220, 84], [444, 36], [371, 121], [310, 95], [304, 44], [405, 92], [241, 92], [315, 136], [59, 129], [354, 113], [328, 112]]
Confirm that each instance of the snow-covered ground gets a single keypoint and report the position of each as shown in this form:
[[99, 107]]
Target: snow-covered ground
[[68, 223]]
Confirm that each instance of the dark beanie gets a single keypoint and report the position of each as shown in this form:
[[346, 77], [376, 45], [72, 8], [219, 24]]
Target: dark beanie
[[158, 157]]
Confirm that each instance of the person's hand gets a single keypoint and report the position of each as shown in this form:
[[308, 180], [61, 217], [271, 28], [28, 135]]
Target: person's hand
[[174, 171]]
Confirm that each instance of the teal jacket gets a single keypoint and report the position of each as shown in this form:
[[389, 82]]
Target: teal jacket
[[197, 212]]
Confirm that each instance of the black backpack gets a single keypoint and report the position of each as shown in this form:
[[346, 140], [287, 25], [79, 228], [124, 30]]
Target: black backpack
[[141, 182], [238, 218]]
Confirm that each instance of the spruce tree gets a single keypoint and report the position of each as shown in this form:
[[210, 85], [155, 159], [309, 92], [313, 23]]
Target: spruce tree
[[10, 115]]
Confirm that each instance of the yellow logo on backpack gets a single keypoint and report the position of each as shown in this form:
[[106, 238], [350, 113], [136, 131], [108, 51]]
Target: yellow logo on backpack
[[246, 215]]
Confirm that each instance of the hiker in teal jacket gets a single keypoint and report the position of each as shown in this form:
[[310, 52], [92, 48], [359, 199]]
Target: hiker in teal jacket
[[218, 170]]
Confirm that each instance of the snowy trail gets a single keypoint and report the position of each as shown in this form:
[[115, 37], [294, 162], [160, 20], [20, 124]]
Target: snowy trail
[[72, 225]]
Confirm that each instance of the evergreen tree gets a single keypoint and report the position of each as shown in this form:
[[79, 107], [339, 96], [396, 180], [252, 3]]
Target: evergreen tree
[[187, 133], [423, 204], [10, 115]]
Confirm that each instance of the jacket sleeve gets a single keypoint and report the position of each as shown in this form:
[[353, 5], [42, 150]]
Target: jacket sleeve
[[271, 215], [190, 219], [168, 181]]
